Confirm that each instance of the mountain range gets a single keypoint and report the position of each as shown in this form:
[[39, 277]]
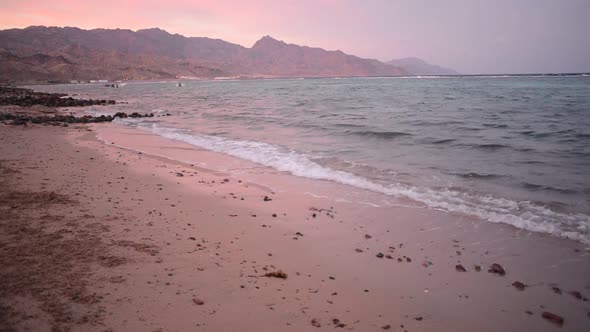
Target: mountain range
[[415, 66], [40, 54]]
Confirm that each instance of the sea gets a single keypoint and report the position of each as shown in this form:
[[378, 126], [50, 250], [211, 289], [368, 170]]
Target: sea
[[505, 149]]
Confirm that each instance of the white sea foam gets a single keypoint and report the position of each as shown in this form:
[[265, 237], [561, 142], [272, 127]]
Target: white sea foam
[[523, 214]]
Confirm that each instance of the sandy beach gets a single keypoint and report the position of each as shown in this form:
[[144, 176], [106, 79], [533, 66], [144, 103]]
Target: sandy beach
[[102, 230]]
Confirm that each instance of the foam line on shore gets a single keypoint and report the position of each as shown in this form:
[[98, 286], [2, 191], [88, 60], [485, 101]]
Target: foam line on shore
[[522, 214]]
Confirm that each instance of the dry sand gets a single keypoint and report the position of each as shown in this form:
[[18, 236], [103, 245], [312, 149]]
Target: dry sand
[[97, 237]]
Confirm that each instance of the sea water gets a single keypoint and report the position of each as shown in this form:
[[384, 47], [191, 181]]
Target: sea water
[[513, 149]]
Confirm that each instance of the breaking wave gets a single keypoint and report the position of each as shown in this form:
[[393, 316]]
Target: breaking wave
[[522, 214]]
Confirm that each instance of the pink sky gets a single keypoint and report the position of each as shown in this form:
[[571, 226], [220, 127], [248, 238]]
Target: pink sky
[[468, 35]]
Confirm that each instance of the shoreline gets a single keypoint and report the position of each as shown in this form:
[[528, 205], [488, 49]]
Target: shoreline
[[183, 235]]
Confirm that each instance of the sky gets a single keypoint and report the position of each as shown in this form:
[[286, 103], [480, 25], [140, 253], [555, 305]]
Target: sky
[[470, 36]]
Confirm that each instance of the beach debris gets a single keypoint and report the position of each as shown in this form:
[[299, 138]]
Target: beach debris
[[267, 199], [274, 215], [576, 294], [528, 312], [179, 175], [299, 234], [315, 323], [358, 250], [418, 318], [314, 215], [477, 268], [386, 327], [519, 285], [556, 289], [556, 319], [367, 236], [497, 269], [276, 274], [460, 268], [338, 323], [388, 256], [380, 255], [198, 301]]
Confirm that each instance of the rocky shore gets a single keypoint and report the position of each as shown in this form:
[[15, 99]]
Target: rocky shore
[[19, 119], [27, 98]]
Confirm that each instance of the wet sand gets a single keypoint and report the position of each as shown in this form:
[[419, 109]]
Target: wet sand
[[96, 235]]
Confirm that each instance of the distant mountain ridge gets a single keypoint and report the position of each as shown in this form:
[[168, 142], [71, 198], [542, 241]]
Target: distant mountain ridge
[[415, 66], [39, 54]]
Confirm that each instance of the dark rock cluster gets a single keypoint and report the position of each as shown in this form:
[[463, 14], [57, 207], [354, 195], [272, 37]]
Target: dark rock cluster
[[28, 97], [58, 119]]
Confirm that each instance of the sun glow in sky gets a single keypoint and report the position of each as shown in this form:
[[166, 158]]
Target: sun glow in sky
[[471, 36]]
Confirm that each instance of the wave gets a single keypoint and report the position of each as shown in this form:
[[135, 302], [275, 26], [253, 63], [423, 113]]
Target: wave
[[495, 125], [523, 214], [490, 146], [536, 187], [378, 134], [443, 141], [473, 175]]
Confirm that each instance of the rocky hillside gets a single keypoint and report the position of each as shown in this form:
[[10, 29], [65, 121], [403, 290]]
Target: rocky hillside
[[40, 54]]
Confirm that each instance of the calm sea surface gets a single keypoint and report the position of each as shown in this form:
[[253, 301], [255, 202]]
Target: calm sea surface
[[506, 149]]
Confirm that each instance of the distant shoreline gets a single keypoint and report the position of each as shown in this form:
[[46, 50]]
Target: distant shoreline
[[173, 80]]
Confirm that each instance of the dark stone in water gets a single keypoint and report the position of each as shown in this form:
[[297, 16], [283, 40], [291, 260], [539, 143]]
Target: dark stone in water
[[28, 97], [60, 119]]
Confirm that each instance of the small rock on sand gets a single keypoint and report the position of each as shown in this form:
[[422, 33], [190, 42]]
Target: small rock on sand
[[315, 323], [519, 285], [556, 319], [576, 294], [198, 301], [497, 269], [460, 268]]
